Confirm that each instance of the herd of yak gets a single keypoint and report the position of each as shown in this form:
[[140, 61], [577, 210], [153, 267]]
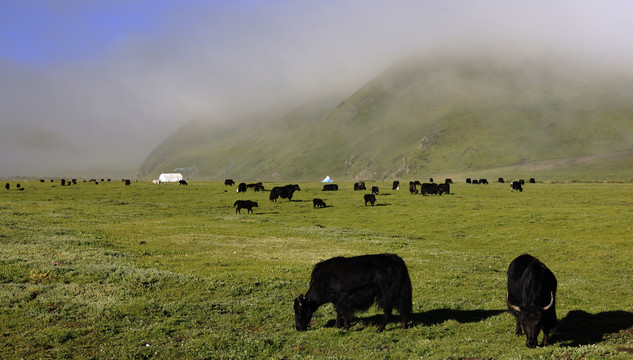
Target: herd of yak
[[287, 191], [356, 283]]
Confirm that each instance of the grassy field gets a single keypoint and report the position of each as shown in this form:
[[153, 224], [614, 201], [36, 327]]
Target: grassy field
[[144, 271]]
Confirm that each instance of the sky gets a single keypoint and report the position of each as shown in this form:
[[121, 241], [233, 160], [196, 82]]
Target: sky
[[94, 86]]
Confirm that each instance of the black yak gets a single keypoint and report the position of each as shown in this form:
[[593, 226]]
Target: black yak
[[229, 182], [516, 185], [318, 203], [354, 284], [531, 298], [241, 187], [245, 204], [360, 186], [370, 198], [284, 192], [330, 187]]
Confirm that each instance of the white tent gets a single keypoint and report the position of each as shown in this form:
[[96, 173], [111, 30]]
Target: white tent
[[175, 177], [327, 179]]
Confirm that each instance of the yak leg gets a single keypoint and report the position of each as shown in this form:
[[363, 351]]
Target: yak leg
[[339, 317], [545, 338], [518, 329], [385, 319]]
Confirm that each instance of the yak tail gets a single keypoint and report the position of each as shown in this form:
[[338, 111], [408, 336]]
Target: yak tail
[[235, 204], [406, 297]]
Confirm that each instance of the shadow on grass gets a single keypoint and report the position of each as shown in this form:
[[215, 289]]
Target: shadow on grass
[[439, 316], [428, 318], [582, 328]]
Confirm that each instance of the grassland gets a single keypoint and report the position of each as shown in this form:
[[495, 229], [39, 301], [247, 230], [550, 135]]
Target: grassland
[[144, 271]]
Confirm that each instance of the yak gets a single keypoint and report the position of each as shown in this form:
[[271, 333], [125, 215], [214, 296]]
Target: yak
[[245, 204], [360, 186], [354, 284], [531, 298], [370, 198], [241, 187], [429, 189], [395, 185], [318, 203], [412, 187], [229, 182], [444, 188], [330, 187], [284, 192], [183, 182], [375, 190], [516, 185]]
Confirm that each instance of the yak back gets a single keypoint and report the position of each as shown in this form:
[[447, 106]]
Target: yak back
[[364, 275], [530, 282]]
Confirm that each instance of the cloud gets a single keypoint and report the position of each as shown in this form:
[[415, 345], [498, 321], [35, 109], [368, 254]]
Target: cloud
[[114, 78]]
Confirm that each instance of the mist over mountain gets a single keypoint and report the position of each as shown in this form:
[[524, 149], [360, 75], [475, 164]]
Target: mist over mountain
[[442, 115]]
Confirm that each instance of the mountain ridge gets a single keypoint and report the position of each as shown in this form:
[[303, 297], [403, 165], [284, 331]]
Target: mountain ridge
[[430, 117]]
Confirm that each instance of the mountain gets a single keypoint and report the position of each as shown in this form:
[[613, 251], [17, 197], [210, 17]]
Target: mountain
[[442, 116]]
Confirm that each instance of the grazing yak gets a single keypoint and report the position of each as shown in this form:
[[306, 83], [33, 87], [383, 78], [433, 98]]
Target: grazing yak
[[360, 186], [318, 203], [412, 187], [258, 186], [374, 190], [500, 180], [229, 182], [370, 198], [532, 181], [443, 188], [241, 187], [182, 182], [284, 192], [354, 284], [395, 185], [531, 298], [516, 185], [330, 187], [429, 189], [245, 204], [7, 186]]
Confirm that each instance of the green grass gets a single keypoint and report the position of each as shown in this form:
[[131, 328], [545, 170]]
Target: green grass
[[145, 271]]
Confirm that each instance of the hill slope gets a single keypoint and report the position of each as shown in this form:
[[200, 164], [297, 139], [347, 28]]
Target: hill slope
[[431, 117]]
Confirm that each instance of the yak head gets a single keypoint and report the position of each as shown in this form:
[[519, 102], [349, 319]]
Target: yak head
[[531, 318], [304, 308]]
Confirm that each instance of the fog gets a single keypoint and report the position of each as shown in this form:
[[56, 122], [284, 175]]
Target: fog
[[93, 87]]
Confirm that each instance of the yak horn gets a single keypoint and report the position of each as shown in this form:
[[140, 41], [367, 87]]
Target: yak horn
[[513, 307], [296, 297], [551, 302]]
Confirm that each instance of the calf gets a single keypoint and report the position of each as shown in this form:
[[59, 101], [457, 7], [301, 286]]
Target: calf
[[245, 204], [318, 203]]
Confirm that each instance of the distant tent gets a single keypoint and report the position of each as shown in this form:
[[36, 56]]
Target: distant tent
[[175, 177], [327, 179]]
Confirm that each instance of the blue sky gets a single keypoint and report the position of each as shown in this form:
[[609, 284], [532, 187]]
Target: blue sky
[[102, 82]]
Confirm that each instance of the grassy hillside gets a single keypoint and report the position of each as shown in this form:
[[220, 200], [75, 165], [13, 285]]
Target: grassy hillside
[[433, 117]]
